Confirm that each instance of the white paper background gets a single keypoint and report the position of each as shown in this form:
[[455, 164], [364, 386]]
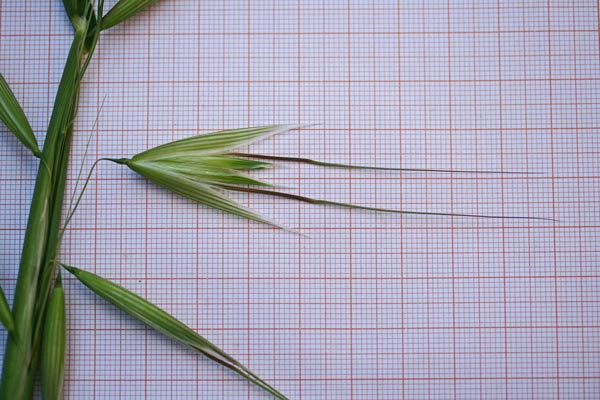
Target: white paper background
[[366, 306]]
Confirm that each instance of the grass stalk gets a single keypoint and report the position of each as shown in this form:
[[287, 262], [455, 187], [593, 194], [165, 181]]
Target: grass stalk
[[20, 364]]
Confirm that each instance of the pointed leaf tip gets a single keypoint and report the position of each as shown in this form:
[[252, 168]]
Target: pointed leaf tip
[[71, 269], [14, 118]]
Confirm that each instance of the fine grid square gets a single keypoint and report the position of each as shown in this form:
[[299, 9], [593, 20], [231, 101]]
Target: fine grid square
[[367, 305]]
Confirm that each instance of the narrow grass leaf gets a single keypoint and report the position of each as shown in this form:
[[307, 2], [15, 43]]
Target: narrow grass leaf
[[13, 116], [53, 345], [158, 319], [212, 143], [6, 316], [123, 10]]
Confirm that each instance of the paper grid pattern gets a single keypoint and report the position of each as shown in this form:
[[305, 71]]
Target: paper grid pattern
[[366, 305]]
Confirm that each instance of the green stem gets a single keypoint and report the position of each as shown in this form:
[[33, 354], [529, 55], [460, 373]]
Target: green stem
[[47, 271], [19, 369]]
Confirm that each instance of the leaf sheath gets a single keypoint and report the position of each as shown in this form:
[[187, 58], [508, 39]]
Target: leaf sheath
[[53, 347]]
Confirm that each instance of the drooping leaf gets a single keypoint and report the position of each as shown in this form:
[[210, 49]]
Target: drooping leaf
[[123, 10], [160, 320], [53, 345], [13, 116], [6, 317]]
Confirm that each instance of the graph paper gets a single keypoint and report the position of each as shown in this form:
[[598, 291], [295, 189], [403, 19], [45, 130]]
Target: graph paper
[[360, 305]]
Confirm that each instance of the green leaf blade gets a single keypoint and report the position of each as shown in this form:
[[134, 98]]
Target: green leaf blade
[[160, 320], [14, 118], [6, 317], [53, 345], [123, 10]]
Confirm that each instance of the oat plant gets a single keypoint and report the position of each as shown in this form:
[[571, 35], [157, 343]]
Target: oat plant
[[202, 168]]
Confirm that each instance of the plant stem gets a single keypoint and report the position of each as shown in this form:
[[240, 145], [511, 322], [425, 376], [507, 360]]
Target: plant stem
[[20, 365], [47, 270]]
